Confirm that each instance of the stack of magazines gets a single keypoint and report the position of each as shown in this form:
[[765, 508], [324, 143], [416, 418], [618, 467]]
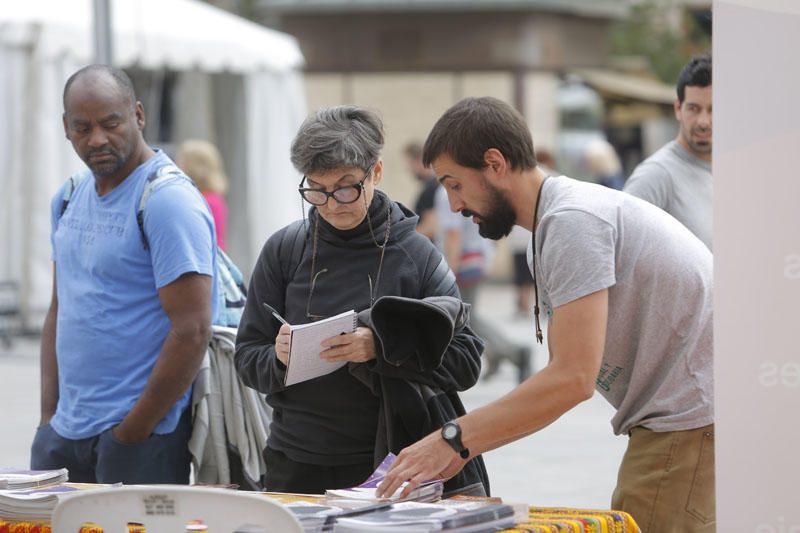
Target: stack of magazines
[[32, 504], [32, 495], [453, 516], [315, 517], [415, 517], [357, 509], [428, 491], [14, 479]]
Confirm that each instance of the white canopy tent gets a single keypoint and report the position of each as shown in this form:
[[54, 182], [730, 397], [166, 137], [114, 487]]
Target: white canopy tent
[[238, 85]]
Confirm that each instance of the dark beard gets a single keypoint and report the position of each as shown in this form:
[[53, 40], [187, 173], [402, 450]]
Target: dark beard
[[500, 217]]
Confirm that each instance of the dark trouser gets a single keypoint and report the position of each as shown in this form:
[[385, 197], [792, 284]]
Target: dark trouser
[[103, 459], [285, 475]]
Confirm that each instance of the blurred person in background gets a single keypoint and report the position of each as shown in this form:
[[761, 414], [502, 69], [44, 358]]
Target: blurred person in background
[[602, 163], [677, 178], [424, 207], [467, 253], [356, 247], [469, 256], [202, 162]]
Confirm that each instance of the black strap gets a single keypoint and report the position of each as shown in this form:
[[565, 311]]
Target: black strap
[[295, 239]]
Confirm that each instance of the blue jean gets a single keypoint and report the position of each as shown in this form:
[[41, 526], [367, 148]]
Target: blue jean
[[104, 459]]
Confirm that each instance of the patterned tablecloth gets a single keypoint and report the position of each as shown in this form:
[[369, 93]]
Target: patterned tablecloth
[[558, 520]]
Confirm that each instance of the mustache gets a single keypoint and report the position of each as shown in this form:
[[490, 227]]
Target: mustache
[[104, 151], [466, 213]]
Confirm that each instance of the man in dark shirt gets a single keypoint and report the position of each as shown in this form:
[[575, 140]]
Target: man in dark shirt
[[424, 206]]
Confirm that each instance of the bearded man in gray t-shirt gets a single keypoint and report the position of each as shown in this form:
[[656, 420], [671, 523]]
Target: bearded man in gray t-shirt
[[628, 293], [677, 178]]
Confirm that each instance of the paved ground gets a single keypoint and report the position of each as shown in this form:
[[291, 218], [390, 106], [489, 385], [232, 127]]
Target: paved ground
[[571, 463]]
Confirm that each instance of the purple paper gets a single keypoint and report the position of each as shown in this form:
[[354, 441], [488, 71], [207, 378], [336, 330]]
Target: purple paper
[[379, 474]]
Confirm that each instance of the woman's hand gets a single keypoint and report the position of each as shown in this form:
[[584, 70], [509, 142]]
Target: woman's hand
[[356, 347], [282, 344]]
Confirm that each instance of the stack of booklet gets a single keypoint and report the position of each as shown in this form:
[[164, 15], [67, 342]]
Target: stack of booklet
[[315, 517], [32, 495], [13, 479], [414, 517], [357, 509], [32, 504], [428, 491], [454, 516]]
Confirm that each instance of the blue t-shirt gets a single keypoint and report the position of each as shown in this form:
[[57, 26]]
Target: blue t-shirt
[[111, 326]]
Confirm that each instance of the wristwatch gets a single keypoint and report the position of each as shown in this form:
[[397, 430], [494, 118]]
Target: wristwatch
[[451, 433]]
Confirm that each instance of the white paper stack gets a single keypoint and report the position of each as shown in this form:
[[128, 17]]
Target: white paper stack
[[13, 478], [414, 517], [32, 504], [428, 491], [314, 516]]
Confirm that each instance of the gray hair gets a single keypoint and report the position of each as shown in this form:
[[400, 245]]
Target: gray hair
[[338, 137]]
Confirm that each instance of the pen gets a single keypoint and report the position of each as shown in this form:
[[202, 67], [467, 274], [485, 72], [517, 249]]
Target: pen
[[274, 313]]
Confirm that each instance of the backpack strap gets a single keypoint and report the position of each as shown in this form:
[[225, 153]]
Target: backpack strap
[[161, 175], [69, 189], [293, 242]]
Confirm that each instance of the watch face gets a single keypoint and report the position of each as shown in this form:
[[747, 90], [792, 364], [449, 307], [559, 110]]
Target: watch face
[[450, 432]]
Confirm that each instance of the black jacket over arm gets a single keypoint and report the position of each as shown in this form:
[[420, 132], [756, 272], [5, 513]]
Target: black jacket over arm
[[393, 400]]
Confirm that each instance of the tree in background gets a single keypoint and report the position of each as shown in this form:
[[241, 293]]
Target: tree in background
[[666, 33]]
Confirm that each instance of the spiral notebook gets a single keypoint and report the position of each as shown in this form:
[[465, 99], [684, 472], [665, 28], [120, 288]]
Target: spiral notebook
[[304, 347]]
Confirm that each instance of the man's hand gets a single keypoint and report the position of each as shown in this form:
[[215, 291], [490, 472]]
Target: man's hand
[[282, 344], [430, 458], [125, 436], [356, 347]]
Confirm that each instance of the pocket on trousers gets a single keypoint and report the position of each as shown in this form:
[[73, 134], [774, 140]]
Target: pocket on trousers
[[109, 434], [41, 446], [109, 447], [701, 502]]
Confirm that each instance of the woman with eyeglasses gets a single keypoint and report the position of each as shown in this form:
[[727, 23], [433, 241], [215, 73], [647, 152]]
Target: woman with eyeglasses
[[356, 246]]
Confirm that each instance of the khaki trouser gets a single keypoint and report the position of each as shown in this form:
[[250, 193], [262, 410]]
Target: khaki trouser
[[666, 481]]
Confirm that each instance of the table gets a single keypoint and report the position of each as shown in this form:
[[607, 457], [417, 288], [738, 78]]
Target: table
[[540, 520]]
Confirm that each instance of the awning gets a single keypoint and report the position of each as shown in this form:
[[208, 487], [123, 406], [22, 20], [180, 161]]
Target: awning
[[614, 84], [179, 34]]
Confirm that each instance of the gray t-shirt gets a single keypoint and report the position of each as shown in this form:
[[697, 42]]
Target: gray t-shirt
[[657, 361], [678, 182]]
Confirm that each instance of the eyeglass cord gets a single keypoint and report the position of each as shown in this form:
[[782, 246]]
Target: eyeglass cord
[[382, 247]]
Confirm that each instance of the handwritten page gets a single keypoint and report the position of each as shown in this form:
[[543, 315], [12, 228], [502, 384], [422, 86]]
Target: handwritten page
[[304, 347]]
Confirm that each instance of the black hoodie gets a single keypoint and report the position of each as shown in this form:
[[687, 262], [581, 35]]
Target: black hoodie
[[333, 420]]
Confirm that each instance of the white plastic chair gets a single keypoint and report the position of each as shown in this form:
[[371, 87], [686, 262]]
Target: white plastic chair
[[169, 508]]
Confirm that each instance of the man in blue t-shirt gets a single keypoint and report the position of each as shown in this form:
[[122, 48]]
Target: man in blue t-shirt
[[128, 323]]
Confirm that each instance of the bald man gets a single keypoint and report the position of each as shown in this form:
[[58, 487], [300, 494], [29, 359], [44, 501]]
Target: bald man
[[131, 308]]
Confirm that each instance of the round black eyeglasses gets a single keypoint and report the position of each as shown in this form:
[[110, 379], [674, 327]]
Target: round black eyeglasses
[[343, 195]]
